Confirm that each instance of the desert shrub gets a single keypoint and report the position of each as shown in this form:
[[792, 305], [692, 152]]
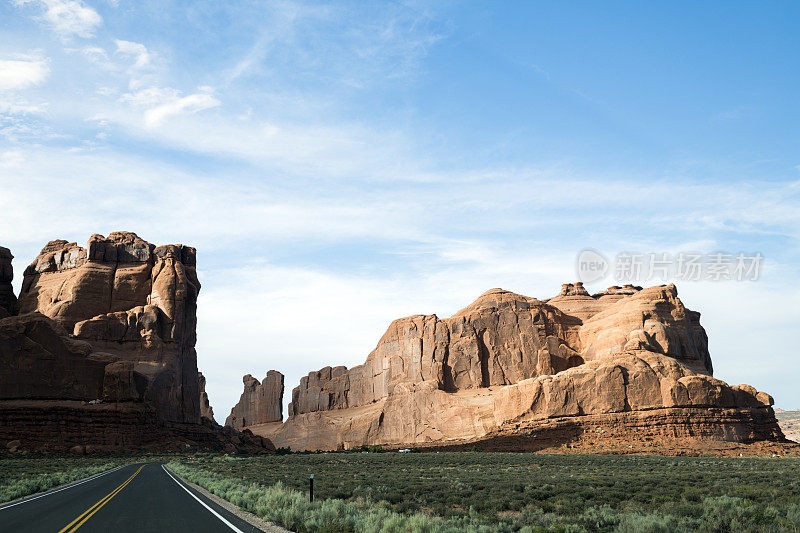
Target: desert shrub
[[649, 523], [479, 491], [22, 477], [725, 513], [534, 518], [598, 518], [291, 509]]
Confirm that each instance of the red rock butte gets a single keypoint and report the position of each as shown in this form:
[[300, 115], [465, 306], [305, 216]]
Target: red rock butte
[[519, 373], [260, 403], [99, 349]]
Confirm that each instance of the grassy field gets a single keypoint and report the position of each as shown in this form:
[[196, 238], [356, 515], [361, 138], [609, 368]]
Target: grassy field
[[20, 476], [509, 492]]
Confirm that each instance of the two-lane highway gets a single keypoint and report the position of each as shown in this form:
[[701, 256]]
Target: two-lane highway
[[136, 498]]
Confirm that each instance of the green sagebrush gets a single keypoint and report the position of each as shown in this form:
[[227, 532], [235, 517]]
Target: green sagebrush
[[365, 512], [29, 476]]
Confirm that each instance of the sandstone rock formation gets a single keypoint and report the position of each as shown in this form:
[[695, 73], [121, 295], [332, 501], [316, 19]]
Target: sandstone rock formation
[[260, 403], [105, 338], [206, 411], [132, 301], [40, 361], [629, 359], [8, 302], [500, 339]]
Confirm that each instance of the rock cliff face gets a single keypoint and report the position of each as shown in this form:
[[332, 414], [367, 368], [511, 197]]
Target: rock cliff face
[[40, 361], [132, 301], [206, 411], [621, 357], [8, 302], [503, 338], [260, 403], [500, 339], [105, 331]]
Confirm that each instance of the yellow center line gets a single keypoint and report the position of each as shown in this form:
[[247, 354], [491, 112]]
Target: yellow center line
[[87, 514]]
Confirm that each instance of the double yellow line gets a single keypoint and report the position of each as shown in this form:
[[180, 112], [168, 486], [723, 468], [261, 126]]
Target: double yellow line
[[87, 514]]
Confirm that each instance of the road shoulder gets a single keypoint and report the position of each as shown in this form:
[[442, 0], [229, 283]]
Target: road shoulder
[[250, 518]]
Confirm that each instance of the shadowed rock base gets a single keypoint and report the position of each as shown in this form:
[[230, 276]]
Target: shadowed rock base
[[662, 426], [665, 432], [58, 426]]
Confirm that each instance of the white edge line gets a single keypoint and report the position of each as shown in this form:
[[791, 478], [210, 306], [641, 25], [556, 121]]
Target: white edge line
[[62, 488], [202, 502]]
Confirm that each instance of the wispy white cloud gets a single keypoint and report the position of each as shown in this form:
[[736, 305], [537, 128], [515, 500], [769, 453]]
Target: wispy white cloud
[[95, 54], [287, 129], [11, 158], [19, 106], [138, 51], [67, 17], [23, 72], [162, 103], [150, 96], [187, 104], [387, 43]]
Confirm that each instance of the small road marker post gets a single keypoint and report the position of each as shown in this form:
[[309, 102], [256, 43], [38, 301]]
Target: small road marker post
[[311, 488]]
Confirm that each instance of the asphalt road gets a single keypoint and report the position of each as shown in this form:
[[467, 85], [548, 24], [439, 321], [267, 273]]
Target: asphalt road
[[136, 498]]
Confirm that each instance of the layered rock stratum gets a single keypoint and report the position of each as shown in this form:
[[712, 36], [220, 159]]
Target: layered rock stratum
[[100, 347], [624, 363], [260, 403]]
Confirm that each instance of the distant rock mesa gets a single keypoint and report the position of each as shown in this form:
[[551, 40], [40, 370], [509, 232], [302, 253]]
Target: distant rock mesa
[[625, 363], [260, 403]]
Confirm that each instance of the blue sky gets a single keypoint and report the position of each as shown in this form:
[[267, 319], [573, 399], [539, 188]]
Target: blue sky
[[338, 166]]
